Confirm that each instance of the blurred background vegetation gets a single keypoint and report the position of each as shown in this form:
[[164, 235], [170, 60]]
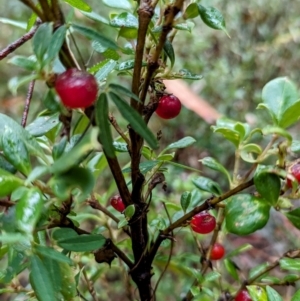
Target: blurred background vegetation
[[264, 44]]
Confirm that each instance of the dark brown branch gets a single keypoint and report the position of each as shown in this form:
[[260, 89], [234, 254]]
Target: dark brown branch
[[16, 44], [170, 14], [205, 206], [7, 203], [27, 103], [32, 6], [114, 123], [121, 255], [47, 10], [119, 179]]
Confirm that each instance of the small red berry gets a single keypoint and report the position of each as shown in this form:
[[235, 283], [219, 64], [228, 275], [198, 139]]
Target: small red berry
[[76, 88], [217, 252], [243, 296], [295, 171], [169, 106], [203, 223], [117, 202]]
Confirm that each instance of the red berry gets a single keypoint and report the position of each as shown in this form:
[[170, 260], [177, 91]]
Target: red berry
[[217, 252], [76, 89], [295, 171], [243, 296], [203, 223], [117, 202], [169, 106]]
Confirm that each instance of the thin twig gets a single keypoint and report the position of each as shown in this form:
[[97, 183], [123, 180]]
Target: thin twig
[[19, 42], [6, 203], [114, 123], [78, 51], [27, 103], [49, 16], [89, 283]]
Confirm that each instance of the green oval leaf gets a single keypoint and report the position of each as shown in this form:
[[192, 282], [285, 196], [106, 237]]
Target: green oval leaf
[[281, 98], [291, 264], [246, 213], [80, 4], [29, 209], [105, 69], [250, 152], [53, 254], [296, 296], [191, 11], [185, 200], [82, 243], [29, 64], [42, 125], [129, 211], [212, 17], [272, 294], [135, 120], [8, 183], [268, 185], [208, 185], [168, 48], [15, 151], [294, 217], [104, 125], [41, 281], [124, 19], [41, 40], [182, 143], [215, 165]]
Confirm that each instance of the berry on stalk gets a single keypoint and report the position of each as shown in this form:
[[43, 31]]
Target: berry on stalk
[[243, 296], [203, 223], [117, 202], [295, 171], [217, 252], [169, 107], [76, 88]]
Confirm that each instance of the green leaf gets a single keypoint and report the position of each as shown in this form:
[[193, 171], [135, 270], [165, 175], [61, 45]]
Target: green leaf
[[267, 130], [96, 17], [29, 209], [31, 21], [135, 120], [29, 64], [231, 268], [8, 183], [82, 243], [123, 90], [257, 293], [14, 23], [52, 253], [187, 26], [168, 48], [123, 4], [296, 296], [268, 185], [248, 151], [257, 270], [71, 158], [50, 101], [128, 33], [105, 70], [246, 213], [4, 164], [185, 74], [182, 143], [281, 99], [42, 125], [41, 40], [212, 18], [208, 185], [15, 151], [58, 148], [56, 42], [104, 125], [185, 200], [122, 223], [239, 250], [272, 294], [95, 36], [12, 238], [16, 82], [294, 217], [41, 280], [120, 147], [129, 211], [63, 233], [212, 276], [215, 165], [124, 19], [80, 4], [191, 11], [77, 177]]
